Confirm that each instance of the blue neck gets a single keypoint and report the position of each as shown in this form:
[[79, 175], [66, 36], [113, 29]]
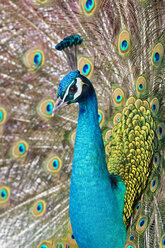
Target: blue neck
[[89, 143], [95, 207]]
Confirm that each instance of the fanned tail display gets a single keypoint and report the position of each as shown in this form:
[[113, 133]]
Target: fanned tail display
[[118, 46]]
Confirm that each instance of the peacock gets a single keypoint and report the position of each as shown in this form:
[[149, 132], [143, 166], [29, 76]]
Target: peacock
[[82, 120]]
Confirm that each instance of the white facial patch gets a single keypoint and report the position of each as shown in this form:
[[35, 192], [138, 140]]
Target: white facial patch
[[79, 89]]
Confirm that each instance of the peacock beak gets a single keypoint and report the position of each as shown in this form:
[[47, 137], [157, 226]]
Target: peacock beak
[[59, 104]]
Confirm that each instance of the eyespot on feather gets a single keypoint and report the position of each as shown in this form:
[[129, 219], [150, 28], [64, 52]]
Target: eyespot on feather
[[117, 118], [141, 86], [73, 137], [160, 130], [162, 241], [156, 160], [33, 59], [108, 135], [45, 244], [154, 106], [129, 244], [132, 236], [61, 243], [88, 7], [124, 42], [100, 117], [141, 224], [39, 208], [118, 97], [71, 239], [20, 149], [85, 66], [154, 184], [4, 194], [45, 108], [157, 55], [53, 164], [138, 206], [3, 115]]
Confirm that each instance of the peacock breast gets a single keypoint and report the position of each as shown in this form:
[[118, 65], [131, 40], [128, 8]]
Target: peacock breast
[[94, 212]]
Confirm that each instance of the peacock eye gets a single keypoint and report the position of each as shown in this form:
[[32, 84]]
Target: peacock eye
[[73, 89]]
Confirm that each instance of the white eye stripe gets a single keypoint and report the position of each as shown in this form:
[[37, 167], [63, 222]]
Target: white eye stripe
[[66, 93], [79, 89]]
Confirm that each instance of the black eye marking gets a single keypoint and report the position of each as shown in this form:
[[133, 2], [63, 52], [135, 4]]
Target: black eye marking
[[73, 89], [85, 85]]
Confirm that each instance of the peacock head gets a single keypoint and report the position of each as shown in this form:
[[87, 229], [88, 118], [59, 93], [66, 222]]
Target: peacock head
[[72, 88]]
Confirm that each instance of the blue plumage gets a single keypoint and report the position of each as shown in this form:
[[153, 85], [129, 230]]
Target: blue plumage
[[65, 82], [95, 206]]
